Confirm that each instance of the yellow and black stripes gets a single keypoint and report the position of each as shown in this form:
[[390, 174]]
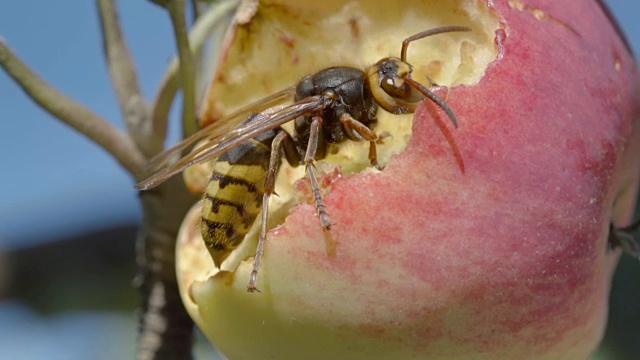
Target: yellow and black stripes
[[233, 198]]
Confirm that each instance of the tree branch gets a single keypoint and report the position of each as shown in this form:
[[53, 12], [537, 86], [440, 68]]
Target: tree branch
[[197, 38], [73, 113], [124, 78], [196, 9], [187, 72], [165, 328]]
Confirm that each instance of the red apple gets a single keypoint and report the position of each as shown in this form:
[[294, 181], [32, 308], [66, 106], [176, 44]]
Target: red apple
[[505, 260]]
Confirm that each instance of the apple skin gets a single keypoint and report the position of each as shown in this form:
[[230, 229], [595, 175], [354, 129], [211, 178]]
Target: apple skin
[[506, 260]]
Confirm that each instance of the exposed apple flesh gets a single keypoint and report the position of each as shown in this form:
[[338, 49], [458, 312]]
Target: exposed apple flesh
[[507, 260]]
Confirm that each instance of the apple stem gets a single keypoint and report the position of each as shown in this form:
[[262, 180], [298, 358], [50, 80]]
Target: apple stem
[[624, 238]]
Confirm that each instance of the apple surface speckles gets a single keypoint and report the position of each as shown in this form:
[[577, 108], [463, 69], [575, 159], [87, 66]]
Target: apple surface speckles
[[507, 259]]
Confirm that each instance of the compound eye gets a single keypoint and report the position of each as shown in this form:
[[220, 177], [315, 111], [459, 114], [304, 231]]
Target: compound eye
[[396, 87], [391, 92]]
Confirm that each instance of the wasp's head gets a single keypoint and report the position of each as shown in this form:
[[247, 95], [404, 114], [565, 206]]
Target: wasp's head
[[389, 88]]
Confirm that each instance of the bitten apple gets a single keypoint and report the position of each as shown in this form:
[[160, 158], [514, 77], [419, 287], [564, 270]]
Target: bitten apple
[[505, 260]]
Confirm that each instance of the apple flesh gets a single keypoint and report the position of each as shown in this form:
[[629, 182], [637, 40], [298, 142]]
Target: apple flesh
[[506, 260]]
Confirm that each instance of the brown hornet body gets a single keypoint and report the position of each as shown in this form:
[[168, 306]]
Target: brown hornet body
[[331, 106], [233, 198]]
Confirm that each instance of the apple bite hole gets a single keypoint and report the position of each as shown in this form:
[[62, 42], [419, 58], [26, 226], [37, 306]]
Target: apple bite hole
[[279, 46], [506, 260]]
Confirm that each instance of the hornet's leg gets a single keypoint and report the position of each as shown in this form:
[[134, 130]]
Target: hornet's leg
[[282, 139], [363, 131], [315, 137]]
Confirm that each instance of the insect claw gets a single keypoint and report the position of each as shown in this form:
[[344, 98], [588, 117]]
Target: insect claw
[[328, 228], [325, 221], [383, 135], [251, 287]]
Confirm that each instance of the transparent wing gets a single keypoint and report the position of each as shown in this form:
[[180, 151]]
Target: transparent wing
[[222, 139], [217, 129]]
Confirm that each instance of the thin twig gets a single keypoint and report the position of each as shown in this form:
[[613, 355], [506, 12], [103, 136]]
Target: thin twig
[[163, 3], [196, 10], [124, 78], [72, 113], [187, 72], [170, 82]]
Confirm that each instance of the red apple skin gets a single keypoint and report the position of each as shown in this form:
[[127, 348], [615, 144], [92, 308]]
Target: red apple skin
[[506, 260]]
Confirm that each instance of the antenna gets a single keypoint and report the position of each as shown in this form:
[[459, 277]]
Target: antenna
[[418, 36]]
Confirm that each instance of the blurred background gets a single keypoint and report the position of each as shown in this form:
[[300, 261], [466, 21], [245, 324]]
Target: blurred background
[[68, 213]]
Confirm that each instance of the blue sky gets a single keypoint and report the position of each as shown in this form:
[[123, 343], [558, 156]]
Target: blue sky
[[54, 182], [50, 173]]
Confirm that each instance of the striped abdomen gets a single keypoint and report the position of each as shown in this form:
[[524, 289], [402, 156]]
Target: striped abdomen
[[233, 198]]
